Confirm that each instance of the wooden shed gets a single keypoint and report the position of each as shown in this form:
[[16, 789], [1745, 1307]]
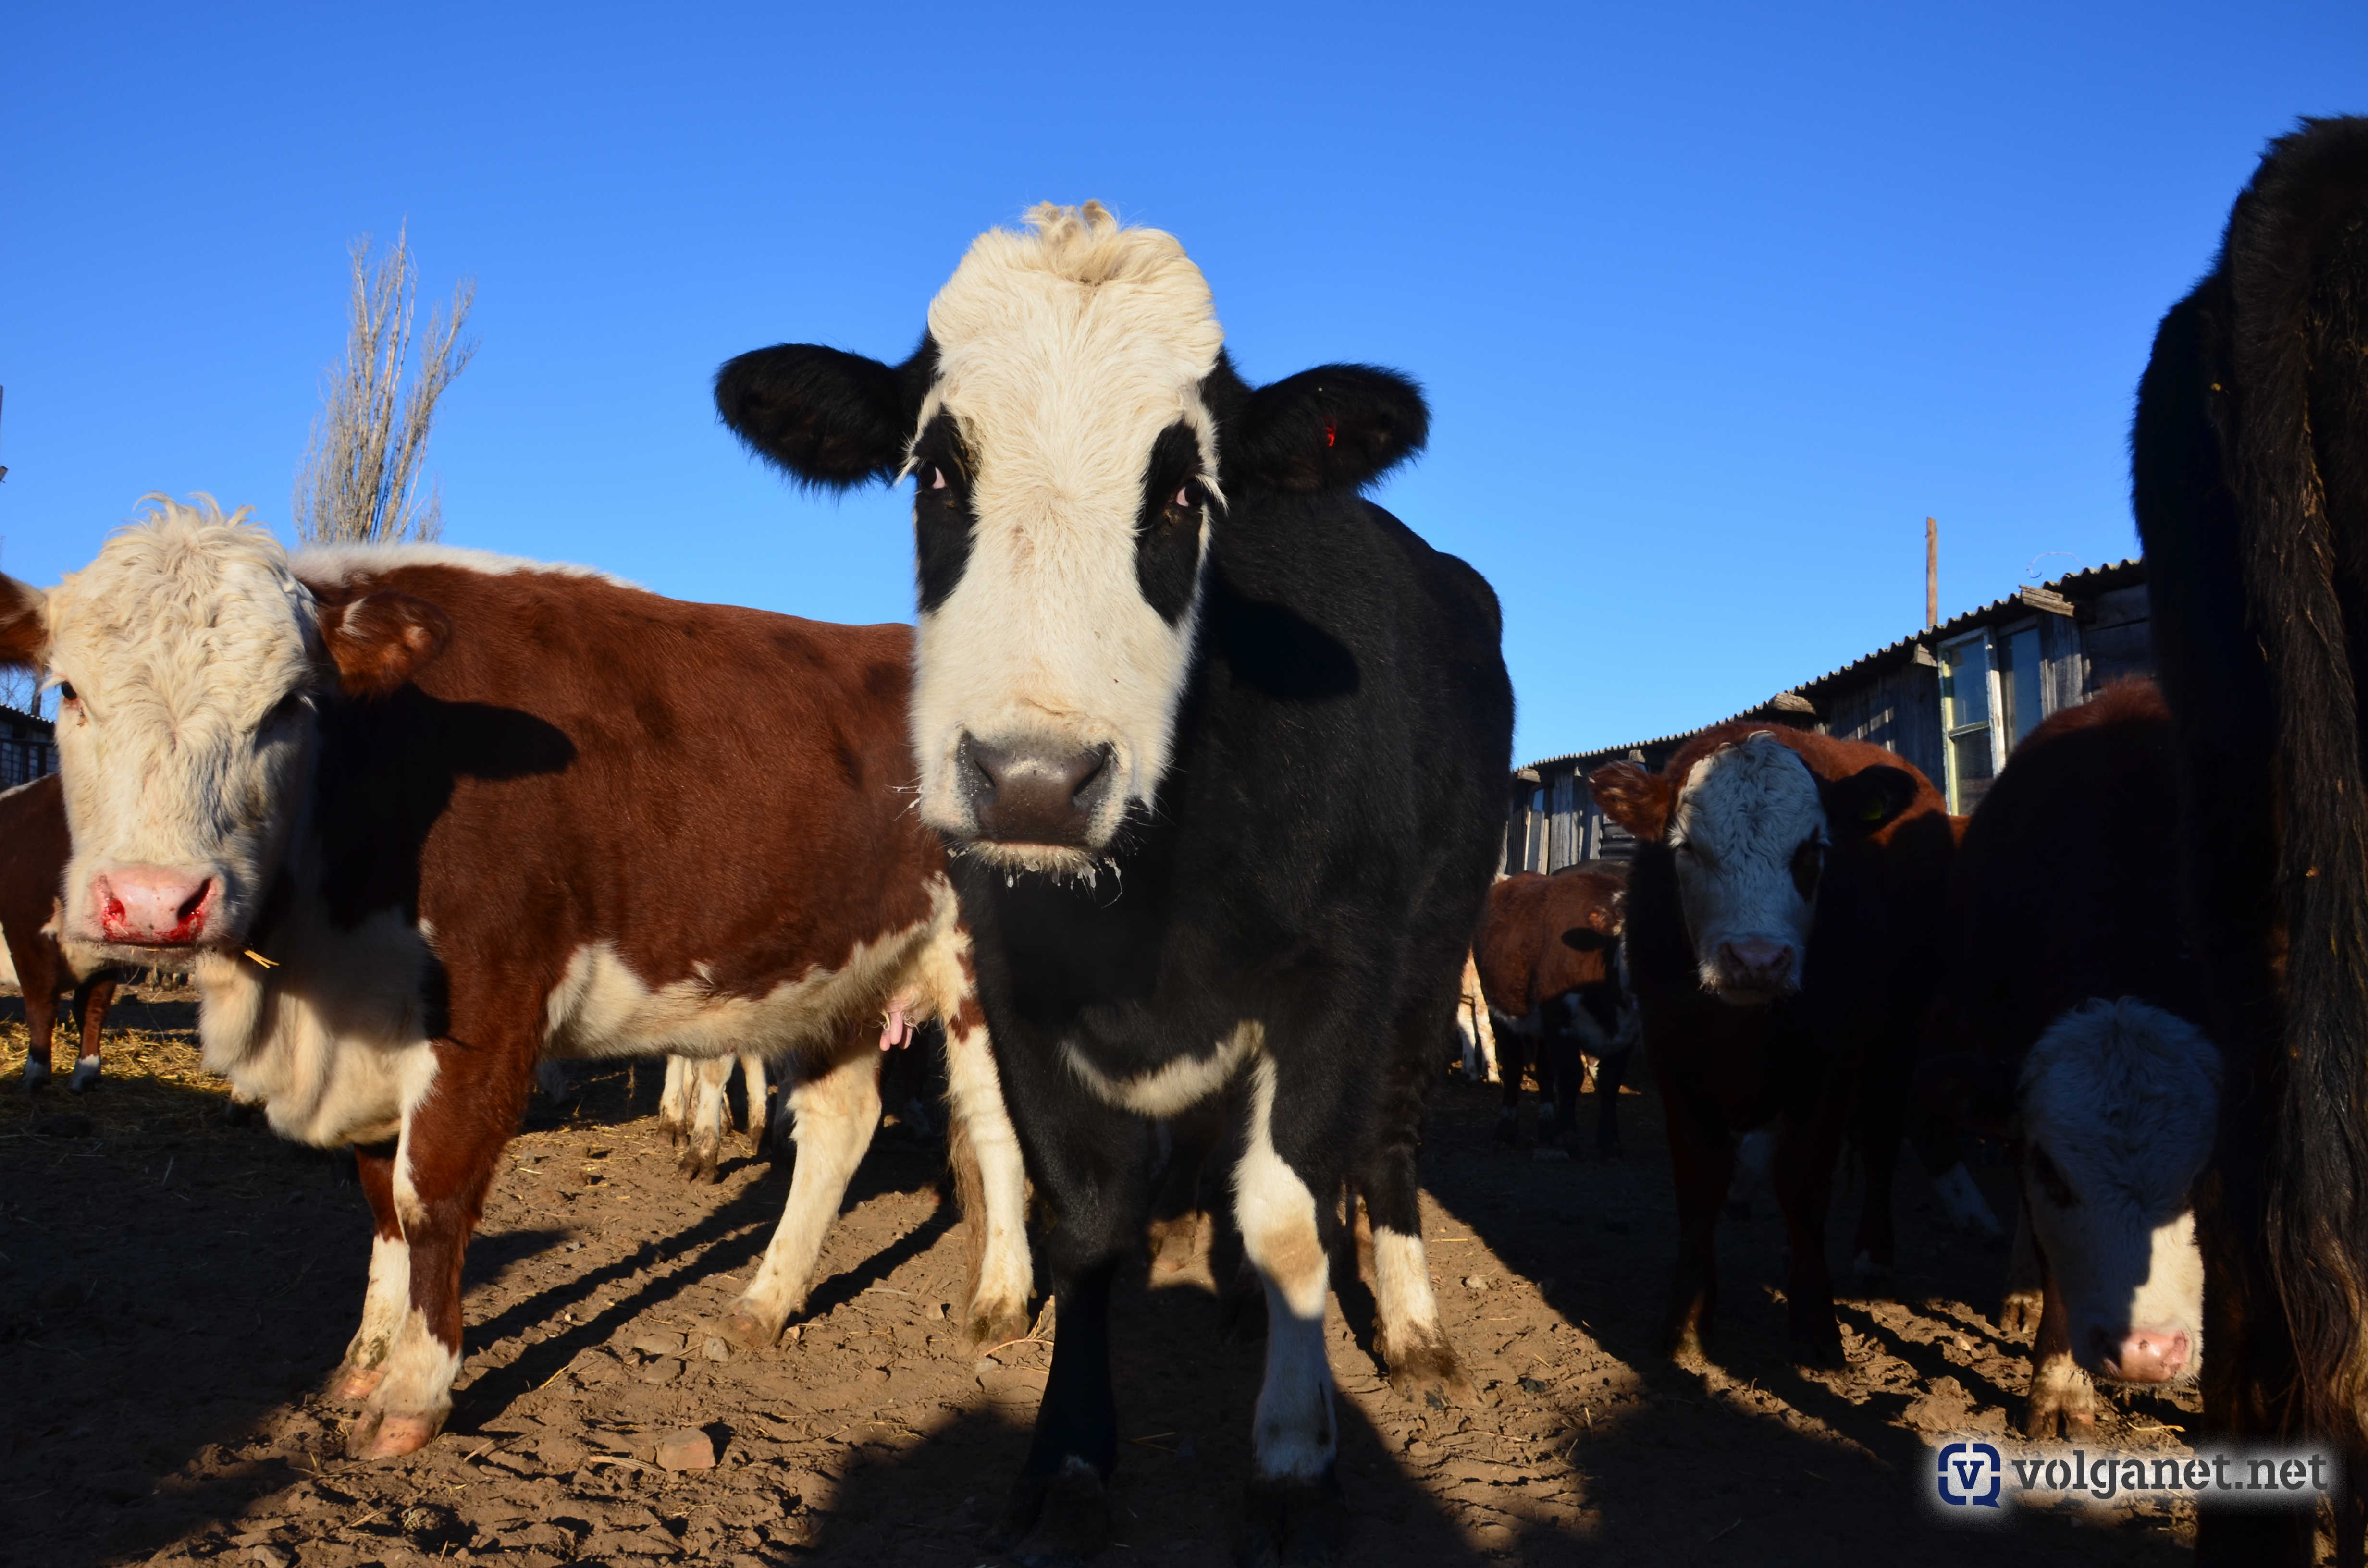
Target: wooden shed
[[1952, 699], [29, 747]]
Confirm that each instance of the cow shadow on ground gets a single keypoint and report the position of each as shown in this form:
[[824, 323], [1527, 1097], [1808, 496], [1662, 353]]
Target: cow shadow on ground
[[1696, 1462]]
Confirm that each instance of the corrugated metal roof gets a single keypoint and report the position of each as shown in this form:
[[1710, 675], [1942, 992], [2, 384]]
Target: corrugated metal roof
[[2082, 584]]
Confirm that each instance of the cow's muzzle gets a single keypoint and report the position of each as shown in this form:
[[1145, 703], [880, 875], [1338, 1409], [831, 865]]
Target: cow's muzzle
[[1755, 969], [2142, 1355], [152, 906], [1031, 793]]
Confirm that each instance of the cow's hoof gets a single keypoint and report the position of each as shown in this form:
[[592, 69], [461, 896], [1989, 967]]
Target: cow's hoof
[[390, 1435], [1817, 1345], [2063, 1401], [697, 1162], [991, 1324], [747, 1328], [2019, 1314], [36, 1076], [1428, 1374], [1061, 1520], [1293, 1524], [351, 1385], [84, 1076], [1687, 1338]]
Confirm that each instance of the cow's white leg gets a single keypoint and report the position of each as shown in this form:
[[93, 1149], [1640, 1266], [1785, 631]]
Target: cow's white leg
[[836, 1113], [1294, 1435], [702, 1133], [1422, 1361], [673, 1100], [752, 1075], [1963, 1204], [991, 1180], [389, 1294], [86, 1073]]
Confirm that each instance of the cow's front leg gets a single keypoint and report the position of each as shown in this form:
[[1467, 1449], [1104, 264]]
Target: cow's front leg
[[835, 1111], [92, 998], [2062, 1396], [40, 1022], [388, 1294], [2024, 1304], [1611, 1070], [1806, 1154], [991, 1183], [1423, 1366], [702, 1130], [674, 1101], [1293, 1512], [451, 1143], [1092, 1162], [1701, 1166]]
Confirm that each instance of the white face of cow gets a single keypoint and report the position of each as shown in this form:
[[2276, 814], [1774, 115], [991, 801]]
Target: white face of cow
[[1074, 433], [188, 661], [1064, 466], [1750, 835], [2119, 1101]]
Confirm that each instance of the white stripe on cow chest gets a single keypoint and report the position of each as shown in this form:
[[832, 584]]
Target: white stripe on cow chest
[[1177, 1087]]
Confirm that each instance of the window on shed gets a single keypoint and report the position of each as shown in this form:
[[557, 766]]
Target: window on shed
[[2020, 667], [1966, 715]]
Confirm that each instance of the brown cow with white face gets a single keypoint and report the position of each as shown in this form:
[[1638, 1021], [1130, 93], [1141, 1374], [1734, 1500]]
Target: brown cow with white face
[[416, 817]]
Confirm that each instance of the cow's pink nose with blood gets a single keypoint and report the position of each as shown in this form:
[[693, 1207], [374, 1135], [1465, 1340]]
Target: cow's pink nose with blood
[[1756, 963], [2143, 1356], [151, 905]]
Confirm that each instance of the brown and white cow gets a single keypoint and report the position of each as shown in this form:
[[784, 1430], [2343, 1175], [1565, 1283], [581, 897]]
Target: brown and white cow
[[2066, 1017], [1780, 942], [1549, 963], [416, 816], [33, 852]]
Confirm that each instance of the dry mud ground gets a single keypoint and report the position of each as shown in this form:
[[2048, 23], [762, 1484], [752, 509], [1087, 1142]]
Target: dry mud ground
[[173, 1291]]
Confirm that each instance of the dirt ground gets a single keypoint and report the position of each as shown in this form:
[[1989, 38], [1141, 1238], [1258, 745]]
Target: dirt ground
[[174, 1291]]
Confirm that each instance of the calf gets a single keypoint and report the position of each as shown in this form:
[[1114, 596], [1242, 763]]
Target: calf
[[1223, 746], [1549, 958], [2249, 470], [2066, 1018], [33, 827], [416, 817], [1779, 912]]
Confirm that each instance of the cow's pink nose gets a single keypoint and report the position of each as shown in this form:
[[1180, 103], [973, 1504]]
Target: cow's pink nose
[[151, 905], [2147, 1356]]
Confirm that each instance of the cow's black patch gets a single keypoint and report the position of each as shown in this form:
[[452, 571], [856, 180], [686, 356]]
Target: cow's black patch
[[944, 521], [1167, 528]]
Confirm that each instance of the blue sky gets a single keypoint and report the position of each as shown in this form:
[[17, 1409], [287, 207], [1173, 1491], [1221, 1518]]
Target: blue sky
[[1714, 305]]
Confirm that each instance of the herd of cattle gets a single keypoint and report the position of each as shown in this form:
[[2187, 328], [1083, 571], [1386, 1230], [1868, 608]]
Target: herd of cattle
[[1178, 814]]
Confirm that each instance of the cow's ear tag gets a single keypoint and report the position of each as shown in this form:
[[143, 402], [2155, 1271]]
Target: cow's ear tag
[[1871, 812]]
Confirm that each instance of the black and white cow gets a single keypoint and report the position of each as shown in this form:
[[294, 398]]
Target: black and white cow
[[1222, 747]]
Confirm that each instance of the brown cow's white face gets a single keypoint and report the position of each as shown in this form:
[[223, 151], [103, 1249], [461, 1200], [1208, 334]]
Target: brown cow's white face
[[1749, 835], [1064, 465], [189, 660], [2119, 1102]]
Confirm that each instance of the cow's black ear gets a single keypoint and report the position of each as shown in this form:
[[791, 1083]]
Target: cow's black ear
[[1868, 799], [826, 418], [1337, 426]]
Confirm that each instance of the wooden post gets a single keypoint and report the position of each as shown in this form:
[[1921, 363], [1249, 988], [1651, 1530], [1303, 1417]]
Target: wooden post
[[1931, 573]]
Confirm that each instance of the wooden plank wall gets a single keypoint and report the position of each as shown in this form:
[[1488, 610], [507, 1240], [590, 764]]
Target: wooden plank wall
[[1900, 710]]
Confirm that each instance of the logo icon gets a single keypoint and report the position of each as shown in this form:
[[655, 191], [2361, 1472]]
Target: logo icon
[[1971, 1474]]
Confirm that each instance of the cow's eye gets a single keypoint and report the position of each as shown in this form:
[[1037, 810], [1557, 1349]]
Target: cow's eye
[[930, 476], [1188, 498], [2051, 1180], [1807, 861], [66, 692]]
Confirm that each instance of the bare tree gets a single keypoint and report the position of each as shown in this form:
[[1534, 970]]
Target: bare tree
[[359, 483]]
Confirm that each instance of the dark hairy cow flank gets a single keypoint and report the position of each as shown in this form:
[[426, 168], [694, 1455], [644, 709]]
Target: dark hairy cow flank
[[1549, 964], [1829, 1057], [541, 813], [2066, 976], [33, 853], [2249, 474], [1261, 740]]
